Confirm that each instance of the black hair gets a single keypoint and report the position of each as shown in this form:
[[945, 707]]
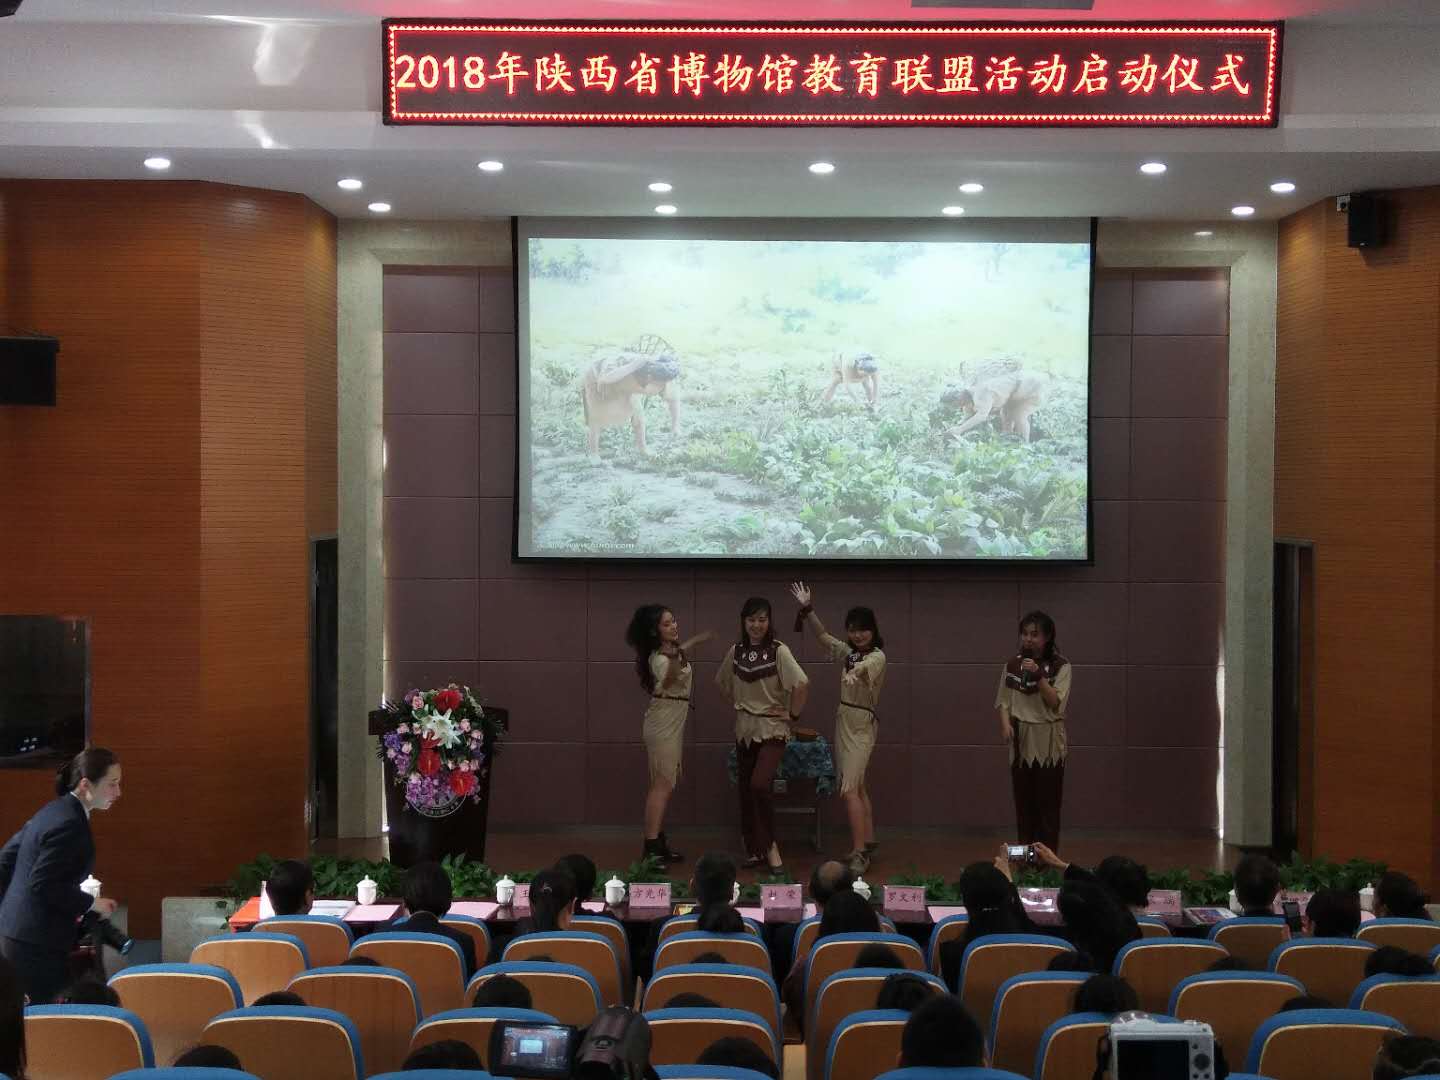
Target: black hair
[[207, 1056], [287, 886], [582, 869], [1107, 994], [1229, 963], [752, 606], [90, 764], [503, 992], [691, 1000], [445, 1054], [1407, 1055], [828, 878], [428, 888], [714, 878], [12, 1022], [903, 990], [877, 955], [551, 894], [1074, 960], [1392, 960], [1306, 1001], [863, 618], [1096, 921], [90, 991], [992, 903], [1334, 912], [710, 958], [1046, 626], [1257, 880], [1126, 878], [361, 961], [643, 635], [940, 1034], [848, 913], [719, 919], [1400, 896], [279, 997], [738, 1054]]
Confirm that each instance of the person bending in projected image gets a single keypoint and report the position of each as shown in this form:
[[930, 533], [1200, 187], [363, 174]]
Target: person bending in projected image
[[1031, 700]]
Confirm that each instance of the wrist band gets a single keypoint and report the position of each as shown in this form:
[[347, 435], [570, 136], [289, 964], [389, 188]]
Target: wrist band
[[800, 617]]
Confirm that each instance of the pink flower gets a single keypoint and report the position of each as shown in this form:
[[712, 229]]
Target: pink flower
[[417, 702], [390, 753], [403, 729], [464, 725], [406, 746]]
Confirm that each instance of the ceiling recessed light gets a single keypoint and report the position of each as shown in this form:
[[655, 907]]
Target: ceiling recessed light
[[972, 188], [1204, 232], [490, 166], [952, 211], [1153, 168], [821, 168], [1242, 211], [660, 187], [666, 208], [1282, 187], [349, 184], [159, 164], [380, 207]]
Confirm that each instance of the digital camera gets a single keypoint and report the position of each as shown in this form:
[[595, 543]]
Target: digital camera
[[1142, 1048]]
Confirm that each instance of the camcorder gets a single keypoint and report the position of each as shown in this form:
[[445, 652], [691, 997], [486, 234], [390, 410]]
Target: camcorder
[[1139, 1047], [616, 1046], [98, 930]]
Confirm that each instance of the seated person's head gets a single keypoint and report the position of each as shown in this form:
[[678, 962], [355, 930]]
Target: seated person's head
[[827, 879], [291, 887], [710, 958], [738, 1054], [714, 878], [848, 913], [279, 997], [90, 991], [990, 899], [904, 990], [1407, 1055], [719, 919], [940, 1034], [876, 955], [1306, 1001], [1333, 913], [1228, 963], [1393, 960], [503, 992], [207, 1056], [1075, 960], [690, 1000], [361, 961], [552, 897], [1126, 879], [582, 869], [428, 888], [1398, 896], [1107, 994], [445, 1054], [1257, 881]]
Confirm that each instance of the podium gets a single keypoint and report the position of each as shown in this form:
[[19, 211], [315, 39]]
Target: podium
[[428, 836]]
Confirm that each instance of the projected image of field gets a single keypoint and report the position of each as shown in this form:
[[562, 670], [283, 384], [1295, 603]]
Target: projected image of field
[[784, 399]]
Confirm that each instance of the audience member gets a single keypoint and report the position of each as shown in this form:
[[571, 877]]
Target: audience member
[[845, 912], [710, 958], [1228, 963], [1307, 1001], [994, 908], [428, 895], [1107, 994], [12, 1023], [582, 869], [1075, 960], [876, 955], [1126, 879], [1397, 896], [904, 990], [89, 991], [1407, 1055], [279, 997], [1332, 913], [738, 1054], [1257, 883], [552, 896], [207, 1056], [361, 961], [445, 1054], [690, 1000], [1095, 921], [719, 919], [1392, 960], [713, 882], [826, 880], [291, 888], [940, 1034], [503, 992]]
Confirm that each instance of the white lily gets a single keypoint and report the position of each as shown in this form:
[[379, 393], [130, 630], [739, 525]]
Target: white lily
[[439, 727]]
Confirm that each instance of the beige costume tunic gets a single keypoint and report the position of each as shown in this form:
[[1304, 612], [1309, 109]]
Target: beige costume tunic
[[758, 679], [665, 718], [856, 724], [1039, 731]]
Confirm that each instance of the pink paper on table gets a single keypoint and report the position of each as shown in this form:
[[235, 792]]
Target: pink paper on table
[[944, 911], [758, 914], [595, 907], [372, 912], [476, 909]]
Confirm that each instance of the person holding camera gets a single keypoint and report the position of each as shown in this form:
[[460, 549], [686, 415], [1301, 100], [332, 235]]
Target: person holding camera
[[42, 868], [1031, 700]]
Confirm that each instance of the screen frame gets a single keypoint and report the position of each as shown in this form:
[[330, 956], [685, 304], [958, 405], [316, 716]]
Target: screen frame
[[658, 229]]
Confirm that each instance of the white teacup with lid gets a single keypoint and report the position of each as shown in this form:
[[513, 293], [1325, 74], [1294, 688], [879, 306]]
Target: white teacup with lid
[[366, 891], [505, 890], [614, 892]]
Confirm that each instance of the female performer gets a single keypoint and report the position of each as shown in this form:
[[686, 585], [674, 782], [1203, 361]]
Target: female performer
[[856, 722], [666, 675], [762, 679], [1034, 689]]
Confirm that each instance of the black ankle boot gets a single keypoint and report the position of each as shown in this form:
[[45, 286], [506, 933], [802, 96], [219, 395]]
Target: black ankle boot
[[666, 853], [655, 849]]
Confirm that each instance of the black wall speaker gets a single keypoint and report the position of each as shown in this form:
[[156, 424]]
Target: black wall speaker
[[27, 369], [1367, 221]]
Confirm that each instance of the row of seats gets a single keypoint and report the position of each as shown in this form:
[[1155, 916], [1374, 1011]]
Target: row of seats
[[665, 1072]]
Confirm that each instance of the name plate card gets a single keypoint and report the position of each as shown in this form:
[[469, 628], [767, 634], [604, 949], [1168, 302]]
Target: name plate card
[[1165, 903], [902, 899], [781, 898], [521, 899], [1288, 895], [650, 896]]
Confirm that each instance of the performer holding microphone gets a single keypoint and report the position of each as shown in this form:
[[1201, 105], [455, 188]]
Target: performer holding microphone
[[41, 869], [1034, 690], [762, 679]]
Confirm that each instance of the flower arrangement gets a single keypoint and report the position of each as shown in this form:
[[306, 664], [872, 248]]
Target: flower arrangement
[[438, 742]]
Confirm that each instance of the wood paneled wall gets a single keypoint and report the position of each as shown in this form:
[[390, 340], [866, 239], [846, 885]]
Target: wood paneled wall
[[1357, 410], [169, 497]]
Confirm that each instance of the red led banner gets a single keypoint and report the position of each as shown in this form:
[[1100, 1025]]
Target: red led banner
[[920, 74]]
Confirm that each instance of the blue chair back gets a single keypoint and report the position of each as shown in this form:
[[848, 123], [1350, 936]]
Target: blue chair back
[[562, 990], [1277, 1026], [184, 1072], [115, 1022], [707, 1072], [864, 1059], [230, 1030], [976, 1073], [948, 927]]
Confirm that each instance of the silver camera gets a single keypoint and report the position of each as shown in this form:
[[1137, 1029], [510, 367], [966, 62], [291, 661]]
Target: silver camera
[[1142, 1048]]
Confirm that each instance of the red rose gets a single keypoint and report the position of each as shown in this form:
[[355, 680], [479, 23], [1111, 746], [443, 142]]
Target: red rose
[[462, 783], [429, 760], [446, 700]]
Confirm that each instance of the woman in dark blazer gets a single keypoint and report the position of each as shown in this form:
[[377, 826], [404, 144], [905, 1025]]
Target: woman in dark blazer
[[41, 869]]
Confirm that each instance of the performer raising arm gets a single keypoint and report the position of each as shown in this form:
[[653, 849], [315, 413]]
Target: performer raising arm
[[856, 722], [761, 678]]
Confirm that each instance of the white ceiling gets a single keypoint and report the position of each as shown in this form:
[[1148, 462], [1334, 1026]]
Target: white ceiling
[[285, 95]]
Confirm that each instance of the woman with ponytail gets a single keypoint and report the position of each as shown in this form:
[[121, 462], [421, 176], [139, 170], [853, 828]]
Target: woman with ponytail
[[41, 870]]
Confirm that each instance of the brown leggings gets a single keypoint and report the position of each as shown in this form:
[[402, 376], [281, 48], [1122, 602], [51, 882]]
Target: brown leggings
[[1037, 803], [756, 764]]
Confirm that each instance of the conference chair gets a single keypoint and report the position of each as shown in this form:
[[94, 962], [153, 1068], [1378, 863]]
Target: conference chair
[[435, 965], [184, 1072], [1412, 935], [614, 932], [593, 952], [84, 1042], [1154, 967], [839, 952], [176, 1001], [1067, 1048], [1414, 1001], [1319, 1044], [477, 931], [1025, 1006], [846, 992], [566, 992], [290, 1042], [1251, 938], [679, 1036], [472, 1027], [382, 1003], [959, 1073], [261, 962], [730, 986], [947, 929], [988, 961], [1152, 926], [707, 1072], [1330, 968], [327, 939], [684, 947], [865, 1044], [684, 924], [806, 931], [431, 1074], [1233, 1003]]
